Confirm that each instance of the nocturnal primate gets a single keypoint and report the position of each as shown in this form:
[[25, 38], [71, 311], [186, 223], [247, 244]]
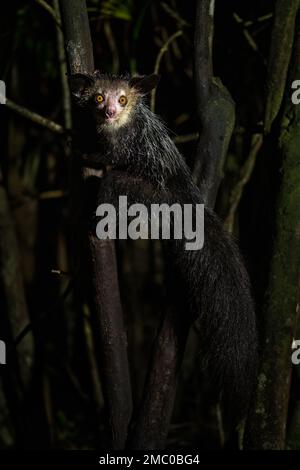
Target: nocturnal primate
[[146, 166]]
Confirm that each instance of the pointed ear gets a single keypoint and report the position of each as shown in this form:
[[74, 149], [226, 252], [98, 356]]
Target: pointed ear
[[79, 82], [145, 83]]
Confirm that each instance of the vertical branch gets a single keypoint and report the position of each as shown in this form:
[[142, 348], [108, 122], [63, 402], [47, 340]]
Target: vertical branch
[[266, 427], [153, 420], [215, 108], [101, 277], [12, 288], [108, 321], [6, 438], [77, 36], [14, 316], [280, 56], [216, 111], [203, 42]]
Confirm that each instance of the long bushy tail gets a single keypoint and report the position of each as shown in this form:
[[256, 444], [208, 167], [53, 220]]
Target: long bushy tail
[[226, 322]]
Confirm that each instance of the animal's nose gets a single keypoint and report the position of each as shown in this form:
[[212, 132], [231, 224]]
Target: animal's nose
[[110, 111]]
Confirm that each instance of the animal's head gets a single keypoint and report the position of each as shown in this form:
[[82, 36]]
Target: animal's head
[[112, 100]]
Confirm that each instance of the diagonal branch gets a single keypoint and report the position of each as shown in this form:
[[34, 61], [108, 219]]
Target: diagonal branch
[[160, 55], [34, 117], [245, 174], [49, 10]]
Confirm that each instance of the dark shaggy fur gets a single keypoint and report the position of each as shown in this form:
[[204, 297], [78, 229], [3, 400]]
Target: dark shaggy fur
[[148, 168]]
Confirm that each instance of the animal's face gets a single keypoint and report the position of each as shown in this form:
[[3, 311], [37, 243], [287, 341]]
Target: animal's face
[[110, 100], [113, 102]]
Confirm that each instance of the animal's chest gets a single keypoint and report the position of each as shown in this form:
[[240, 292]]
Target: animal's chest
[[116, 183]]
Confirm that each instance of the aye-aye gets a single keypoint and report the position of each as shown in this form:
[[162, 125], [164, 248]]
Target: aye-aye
[[147, 167]]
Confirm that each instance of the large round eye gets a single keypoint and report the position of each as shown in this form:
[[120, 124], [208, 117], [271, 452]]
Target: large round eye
[[123, 100], [99, 98]]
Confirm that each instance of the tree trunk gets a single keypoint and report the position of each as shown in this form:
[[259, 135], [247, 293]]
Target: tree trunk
[[266, 427], [101, 277]]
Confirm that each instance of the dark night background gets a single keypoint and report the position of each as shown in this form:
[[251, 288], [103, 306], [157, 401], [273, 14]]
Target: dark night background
[[64, 406]]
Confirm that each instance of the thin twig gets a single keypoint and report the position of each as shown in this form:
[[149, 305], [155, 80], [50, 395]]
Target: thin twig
[[91, 357], [220, 425], [50, 10], [175, 15], [248, 36], [63, 69], [248, 23], [32, 116], [48, 403], [113, 46], [59, 272], [183, 139], [54, 194], [75, 382], [160, 55], [245, 174]]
